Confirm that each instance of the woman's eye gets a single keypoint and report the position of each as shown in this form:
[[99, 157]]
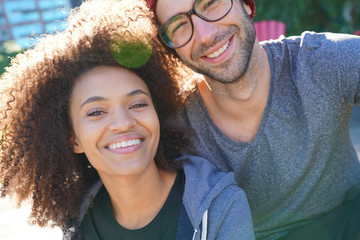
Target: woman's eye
[[95, 113], [138, 105]]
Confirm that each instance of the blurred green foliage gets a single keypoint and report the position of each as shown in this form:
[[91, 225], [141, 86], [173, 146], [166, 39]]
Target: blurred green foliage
[[8, 50], [313, 15]]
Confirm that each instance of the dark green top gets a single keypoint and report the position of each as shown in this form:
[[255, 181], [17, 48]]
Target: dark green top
[[99, 222]]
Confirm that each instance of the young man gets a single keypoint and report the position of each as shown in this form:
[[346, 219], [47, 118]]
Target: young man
[[275, 113]]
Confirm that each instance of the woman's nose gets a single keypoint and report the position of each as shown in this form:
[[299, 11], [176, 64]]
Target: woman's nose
[[122, 121]]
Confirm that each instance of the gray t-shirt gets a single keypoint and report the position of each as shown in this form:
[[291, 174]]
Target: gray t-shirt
[[301, 163]]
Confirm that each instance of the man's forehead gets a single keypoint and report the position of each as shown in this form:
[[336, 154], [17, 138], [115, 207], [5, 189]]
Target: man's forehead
[[165, 9]]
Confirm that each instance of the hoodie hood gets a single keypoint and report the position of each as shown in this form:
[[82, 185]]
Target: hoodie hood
[[215, 206]]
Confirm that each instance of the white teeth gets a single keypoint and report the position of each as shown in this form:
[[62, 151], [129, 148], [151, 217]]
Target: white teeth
[[220, 51], [124, 144]]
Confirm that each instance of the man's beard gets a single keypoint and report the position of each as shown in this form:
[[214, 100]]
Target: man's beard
[[233, 69]]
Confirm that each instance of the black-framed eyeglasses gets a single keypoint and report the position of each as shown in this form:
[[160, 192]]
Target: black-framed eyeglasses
[[178, 30]]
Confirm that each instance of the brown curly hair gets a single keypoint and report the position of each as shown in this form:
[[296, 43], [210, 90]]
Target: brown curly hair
[[37, 159]]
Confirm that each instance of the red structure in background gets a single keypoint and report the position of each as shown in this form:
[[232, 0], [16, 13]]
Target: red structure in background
[[269, 29], [357, 32]]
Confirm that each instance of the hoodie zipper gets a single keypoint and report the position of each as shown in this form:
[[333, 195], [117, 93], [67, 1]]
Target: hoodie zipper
[[195, 231], [204, 224]]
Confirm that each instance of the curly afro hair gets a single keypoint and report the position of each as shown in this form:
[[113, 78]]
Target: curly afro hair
[[37, 159]]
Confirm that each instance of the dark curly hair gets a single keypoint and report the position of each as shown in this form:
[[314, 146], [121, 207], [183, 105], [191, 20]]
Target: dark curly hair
[[37, 159]]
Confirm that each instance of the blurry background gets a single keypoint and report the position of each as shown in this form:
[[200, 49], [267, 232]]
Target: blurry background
[[20, 19], [316, 15]]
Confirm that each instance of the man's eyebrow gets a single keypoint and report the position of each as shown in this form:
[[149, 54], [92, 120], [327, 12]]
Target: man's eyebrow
[[92, 99]]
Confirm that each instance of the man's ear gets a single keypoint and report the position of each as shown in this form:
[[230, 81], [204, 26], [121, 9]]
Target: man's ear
[[77, 148], [247, 8]]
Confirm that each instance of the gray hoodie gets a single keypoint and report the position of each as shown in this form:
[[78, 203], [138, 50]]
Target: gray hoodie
[[214, 207]]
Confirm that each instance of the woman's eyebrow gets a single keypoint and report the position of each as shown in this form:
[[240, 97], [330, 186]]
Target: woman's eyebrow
[[137, 92], [97, 98], [92, 99]]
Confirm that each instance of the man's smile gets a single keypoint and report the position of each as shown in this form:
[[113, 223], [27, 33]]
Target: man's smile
[[219, 51]]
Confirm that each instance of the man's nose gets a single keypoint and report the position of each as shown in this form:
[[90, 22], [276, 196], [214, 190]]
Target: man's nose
[[122, 121], [204, 31]]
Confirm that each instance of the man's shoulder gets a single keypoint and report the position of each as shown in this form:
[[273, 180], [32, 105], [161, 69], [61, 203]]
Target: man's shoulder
[[310, 40], [326, 43], [316, 50], [327, 40], [330, 51]]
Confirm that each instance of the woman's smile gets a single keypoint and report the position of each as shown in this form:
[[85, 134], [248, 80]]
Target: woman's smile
[[124, 144]]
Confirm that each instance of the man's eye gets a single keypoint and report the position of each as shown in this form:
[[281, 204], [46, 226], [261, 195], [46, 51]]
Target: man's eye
[[94, 113], [178, 27], [210, 3]]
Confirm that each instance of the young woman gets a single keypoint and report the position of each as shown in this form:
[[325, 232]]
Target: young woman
[[83, 136]]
